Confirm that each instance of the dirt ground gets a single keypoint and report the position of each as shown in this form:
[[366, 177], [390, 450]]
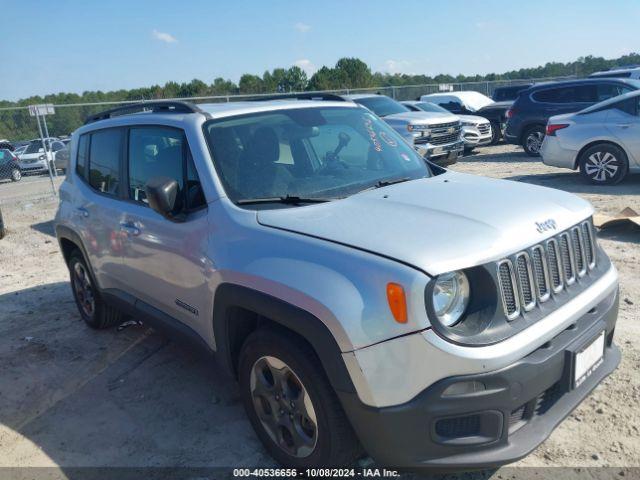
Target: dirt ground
[[73, 397]]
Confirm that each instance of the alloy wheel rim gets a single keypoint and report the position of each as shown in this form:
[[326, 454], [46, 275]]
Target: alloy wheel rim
[[284, 406], [601, 166], [84, 291], [534, 141], [17, 175]]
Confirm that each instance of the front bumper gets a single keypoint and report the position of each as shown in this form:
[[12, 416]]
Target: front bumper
[[472, 137], [37, 166], [518, 410], [441, 154]]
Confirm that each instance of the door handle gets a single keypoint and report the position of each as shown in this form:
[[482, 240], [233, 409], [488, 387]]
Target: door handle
[[130, 229], [83, 212], [624, 125]]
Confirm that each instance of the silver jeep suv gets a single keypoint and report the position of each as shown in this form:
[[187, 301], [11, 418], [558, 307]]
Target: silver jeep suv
[[366, 302]]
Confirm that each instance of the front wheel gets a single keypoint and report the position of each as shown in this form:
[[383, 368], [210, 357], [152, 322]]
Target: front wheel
[[16, 175], [604, 164], [532, 140], [93, 310], [291, 405], [496, 133]]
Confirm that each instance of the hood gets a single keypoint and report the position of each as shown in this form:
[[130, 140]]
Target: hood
[[473, 118], [31, 156], [437, 224], [423, 118]]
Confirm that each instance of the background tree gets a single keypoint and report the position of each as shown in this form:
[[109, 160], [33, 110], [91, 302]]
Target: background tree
[[348, 73]]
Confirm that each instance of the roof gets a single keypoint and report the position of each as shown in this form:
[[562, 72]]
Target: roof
[[471, 99], [219, 110], [357, 96], [583, 81]]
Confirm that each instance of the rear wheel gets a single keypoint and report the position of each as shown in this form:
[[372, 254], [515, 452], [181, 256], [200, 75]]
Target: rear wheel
[[532, 140], [92, 308], [16, 175], [604, 164], [290, 403]]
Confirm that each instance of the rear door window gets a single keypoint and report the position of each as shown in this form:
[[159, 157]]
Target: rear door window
[[556, 95], [105, 153]]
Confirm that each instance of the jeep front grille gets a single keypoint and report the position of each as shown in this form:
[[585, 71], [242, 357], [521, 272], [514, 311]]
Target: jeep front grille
[[531, 276]]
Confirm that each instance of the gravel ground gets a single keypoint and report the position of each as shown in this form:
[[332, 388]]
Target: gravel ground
[[72, 397]]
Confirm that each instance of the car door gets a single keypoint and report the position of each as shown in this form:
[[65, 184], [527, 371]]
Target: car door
[[97, 208], [164, 260], [624, 123]]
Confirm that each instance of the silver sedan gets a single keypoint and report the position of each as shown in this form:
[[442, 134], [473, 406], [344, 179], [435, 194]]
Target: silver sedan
[[603, 141]]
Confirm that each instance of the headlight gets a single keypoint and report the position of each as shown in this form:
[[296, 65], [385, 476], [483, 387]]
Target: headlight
[[450, 297], [468, 124], [417, 128]]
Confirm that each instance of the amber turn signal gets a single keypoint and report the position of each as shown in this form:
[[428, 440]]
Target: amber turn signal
[[397, 302]]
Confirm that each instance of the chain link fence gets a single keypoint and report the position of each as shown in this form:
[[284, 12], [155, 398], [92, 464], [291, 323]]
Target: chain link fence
[[38, 168]]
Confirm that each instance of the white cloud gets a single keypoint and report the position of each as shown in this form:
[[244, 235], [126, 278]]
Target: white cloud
[[163, 37], [306, 65], [302, 27], [397, 66]]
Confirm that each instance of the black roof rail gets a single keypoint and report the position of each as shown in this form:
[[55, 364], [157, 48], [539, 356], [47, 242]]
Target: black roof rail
[[160, 106], [302, 96]]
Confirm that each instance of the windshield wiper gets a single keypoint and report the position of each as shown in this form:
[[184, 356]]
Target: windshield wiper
[[386, 183], [288, 200]]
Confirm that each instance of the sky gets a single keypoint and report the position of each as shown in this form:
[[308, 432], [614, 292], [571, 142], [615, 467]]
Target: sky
[[74, 46]]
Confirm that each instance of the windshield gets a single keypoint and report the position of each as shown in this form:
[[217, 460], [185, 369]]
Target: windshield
[[312, 153], [34, 147], [431, 107], [381, 105]]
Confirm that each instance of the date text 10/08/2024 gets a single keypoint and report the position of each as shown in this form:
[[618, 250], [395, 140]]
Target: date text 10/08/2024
[[316, 472]]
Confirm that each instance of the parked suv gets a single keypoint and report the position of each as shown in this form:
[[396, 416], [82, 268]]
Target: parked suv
[[476, 130], [364, 300], [508, 92], [531, 111], [34, 158], [438, 138], [473, 103], [632, 71]]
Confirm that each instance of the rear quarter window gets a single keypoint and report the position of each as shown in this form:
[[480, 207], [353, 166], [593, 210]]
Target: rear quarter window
[[82, 155], [105, 151]]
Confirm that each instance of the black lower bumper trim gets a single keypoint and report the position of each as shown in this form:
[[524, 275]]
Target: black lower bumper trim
[[517, 411]]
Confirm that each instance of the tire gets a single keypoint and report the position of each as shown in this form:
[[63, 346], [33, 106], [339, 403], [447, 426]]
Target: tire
[[532, 140], [496, 134], [275, 370], [92, 308], [3, 232], [604, 164], [468, 150], [16, 175]]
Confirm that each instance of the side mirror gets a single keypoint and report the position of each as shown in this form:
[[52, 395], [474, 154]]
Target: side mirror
[[162, 195]]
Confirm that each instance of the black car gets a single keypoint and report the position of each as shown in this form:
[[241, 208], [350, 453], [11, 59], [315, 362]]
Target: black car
[[509, 93], [495, 112], [528, 116], [9, 167]]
